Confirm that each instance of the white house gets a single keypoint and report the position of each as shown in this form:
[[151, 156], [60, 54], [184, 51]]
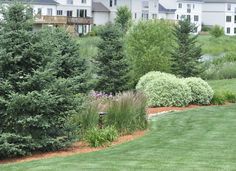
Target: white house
[[222, 13], [74, 15], [167, 9], [191, 10], [140, 9]]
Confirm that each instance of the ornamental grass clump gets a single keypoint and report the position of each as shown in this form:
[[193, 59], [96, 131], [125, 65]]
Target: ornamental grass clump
[[127, 112], [201, 92]]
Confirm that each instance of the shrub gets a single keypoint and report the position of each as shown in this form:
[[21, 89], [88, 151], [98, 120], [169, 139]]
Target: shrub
[[127, 112], [149, 45], [14, 145], [218, 99], [217, 31], [201, 92], [168, 92], [99, 137], [144, 80], [205, 28], [230, 97]]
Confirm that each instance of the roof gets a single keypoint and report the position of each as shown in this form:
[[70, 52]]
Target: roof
[[190, 0], [41, 2], [220, 1], [162, 9], [99, 7]]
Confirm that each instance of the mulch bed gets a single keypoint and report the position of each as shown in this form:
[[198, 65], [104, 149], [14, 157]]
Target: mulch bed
[[82, 147], [77, 148], [151, 111]]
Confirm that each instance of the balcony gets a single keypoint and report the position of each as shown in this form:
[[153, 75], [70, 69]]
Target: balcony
[[80, 20], [44, 19]]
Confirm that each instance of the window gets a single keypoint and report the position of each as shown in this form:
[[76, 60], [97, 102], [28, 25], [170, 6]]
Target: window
[[49, 11], [39, 12], [189, 6], [115, 2], [177, 17], [180, 5], [229, 7], [83, 1], [228, 30], [145, 15], [234, 30], [235, 19], [188, 17], [196, 18], [145, 4], [69, 13], [135, 15], [228, 18], [111, 3], [82, 13], [59, 12], [154, 16], [69, 1], [193, 6]]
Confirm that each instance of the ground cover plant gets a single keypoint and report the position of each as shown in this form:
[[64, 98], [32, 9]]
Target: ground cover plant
[[206, 137]]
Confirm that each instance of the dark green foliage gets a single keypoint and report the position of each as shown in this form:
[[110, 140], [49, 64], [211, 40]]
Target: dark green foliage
[[123, 18], [112, 67], [99, 137], [14, 145], [186, 54], [40, 75], [127, 112], [217, 31]]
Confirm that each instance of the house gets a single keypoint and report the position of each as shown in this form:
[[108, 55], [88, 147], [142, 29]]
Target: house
[[167, 9], [222, 13], [165, 13], [74, 15], [140, 9], [191, 10], [101, 14]]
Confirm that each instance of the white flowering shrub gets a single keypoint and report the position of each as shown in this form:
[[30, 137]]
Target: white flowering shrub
[[169, 91], [144, 80], [201, 92]]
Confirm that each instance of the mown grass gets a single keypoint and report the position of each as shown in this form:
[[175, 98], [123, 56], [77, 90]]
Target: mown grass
[[223, 85], [199, 139], [217, 46]]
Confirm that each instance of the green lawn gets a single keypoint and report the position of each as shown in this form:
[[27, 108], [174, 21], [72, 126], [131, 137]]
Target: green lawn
[[217, 46], [199, 139], [224, 85]]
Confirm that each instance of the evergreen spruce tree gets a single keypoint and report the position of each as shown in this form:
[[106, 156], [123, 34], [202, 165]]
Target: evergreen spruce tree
[[186, 55], [40, 77], [112, 67]]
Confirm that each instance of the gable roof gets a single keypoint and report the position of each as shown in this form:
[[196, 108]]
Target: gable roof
[[99, 7], [162, 9]]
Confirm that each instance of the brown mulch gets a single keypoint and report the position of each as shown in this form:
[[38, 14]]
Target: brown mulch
[[169, 109], [77, 148]]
